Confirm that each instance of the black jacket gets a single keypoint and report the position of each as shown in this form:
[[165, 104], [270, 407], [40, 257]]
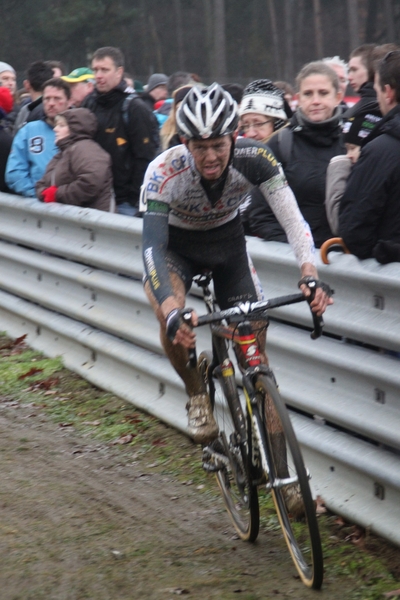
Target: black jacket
[[129, 135], [5, 147], [370, 207], [313, 146], [367, 103]]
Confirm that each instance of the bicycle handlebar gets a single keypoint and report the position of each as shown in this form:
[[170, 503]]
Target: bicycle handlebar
[[248, 309], [252, 309]]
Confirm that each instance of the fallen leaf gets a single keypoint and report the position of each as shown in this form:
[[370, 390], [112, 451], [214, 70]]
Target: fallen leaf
[[50, 393], [178, 591], [125, 439], [158, 442], [95, 424], [30, 373], [65, 424], [392, 594], [320, 507], [357, 536], [339, 521]]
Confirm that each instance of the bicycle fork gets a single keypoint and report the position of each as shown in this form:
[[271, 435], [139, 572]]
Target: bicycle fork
[[261, 450]]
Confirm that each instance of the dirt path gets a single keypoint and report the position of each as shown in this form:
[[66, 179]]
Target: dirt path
[[82, 520]]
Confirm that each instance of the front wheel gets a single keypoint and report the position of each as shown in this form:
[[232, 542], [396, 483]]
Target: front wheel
[[288, 481], [230, 454]]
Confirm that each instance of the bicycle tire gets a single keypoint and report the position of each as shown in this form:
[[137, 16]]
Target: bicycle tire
[[284, 459], [239, 494]]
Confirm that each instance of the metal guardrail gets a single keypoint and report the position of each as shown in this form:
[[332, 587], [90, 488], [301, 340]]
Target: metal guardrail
[[70, 278]]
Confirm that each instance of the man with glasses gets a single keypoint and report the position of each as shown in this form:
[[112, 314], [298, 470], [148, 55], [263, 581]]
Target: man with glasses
[[191, 194], [369, 217]]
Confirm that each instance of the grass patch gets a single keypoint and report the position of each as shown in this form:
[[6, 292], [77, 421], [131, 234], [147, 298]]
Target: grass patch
[[27, 377]]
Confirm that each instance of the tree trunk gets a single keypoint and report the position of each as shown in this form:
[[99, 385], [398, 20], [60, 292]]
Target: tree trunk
[[389, 18], [219, 41], [299, 34], [352, 16], [319, 46], [370, 29], [209, 36], [179, 34], [275, 38], [156, 44], [289, 68]]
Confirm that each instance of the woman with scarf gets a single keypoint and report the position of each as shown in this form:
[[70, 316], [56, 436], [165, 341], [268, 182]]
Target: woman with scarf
[[312, 138]]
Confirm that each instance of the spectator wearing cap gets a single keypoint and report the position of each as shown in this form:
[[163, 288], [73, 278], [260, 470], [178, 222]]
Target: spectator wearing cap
[[355, 133], [6, 104], [81, 82], [155, 90], [8, 77], [34, 145], [80, 173], [263, 111]]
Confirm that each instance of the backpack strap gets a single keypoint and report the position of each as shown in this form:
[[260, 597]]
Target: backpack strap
[[285, 144], [125, 107]]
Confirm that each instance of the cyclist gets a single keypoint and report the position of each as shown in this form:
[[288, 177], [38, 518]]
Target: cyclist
[[191, 195]]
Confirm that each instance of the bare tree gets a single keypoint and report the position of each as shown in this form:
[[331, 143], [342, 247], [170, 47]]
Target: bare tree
[[372, 18], [389, 18], [352, 16], [209, 35], [319, 46], [219, 40], [275, 38], [179, 34], [288, 17]]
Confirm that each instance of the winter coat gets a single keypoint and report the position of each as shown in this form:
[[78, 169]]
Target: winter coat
[[5, 147], [313, 146], [129, 133], [336, 179], [32, 149], [370, 209], [366, 104], [81, 170]]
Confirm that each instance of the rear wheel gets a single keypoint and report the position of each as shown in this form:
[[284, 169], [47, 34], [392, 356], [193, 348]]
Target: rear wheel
[[233, 468], [289, 480]]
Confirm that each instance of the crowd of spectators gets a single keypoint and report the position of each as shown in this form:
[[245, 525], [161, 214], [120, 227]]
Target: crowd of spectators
[[87, 137]]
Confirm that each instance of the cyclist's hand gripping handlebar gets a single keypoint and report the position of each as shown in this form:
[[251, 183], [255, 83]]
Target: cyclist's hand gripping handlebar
[[313, 284], [174, 321]]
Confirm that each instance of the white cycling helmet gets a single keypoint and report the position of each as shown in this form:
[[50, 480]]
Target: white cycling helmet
[[207, 113]]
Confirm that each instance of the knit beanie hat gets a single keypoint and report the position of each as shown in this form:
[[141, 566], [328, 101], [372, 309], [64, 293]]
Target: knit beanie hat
[[264, 98], [6, 100], [6, 67], [358, 128], [155, 80]]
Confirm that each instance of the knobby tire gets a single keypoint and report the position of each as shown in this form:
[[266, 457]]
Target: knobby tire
[[302, 538], [239, 494]]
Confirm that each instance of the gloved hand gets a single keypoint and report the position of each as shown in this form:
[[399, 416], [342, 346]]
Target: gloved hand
[[49, 194]]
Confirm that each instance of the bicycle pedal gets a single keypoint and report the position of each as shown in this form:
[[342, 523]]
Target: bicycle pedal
[[210, 467]]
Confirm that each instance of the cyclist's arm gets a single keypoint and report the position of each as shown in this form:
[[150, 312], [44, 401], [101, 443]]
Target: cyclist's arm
[[282, 201], [155, 243]]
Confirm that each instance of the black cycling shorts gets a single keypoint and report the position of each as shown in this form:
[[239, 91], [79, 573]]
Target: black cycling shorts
[[221, 250]]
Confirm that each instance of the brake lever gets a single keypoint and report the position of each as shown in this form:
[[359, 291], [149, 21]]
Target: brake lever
[[192, 362]]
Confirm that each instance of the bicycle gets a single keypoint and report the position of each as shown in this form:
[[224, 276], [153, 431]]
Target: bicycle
[[256, 445]]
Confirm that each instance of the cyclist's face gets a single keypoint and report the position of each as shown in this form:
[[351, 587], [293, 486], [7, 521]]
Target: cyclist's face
[[211, 157]]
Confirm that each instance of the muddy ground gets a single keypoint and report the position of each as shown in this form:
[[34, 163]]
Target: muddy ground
[[83, 518]]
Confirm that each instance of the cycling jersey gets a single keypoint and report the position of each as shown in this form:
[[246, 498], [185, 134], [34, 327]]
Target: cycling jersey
[[174, 195]]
